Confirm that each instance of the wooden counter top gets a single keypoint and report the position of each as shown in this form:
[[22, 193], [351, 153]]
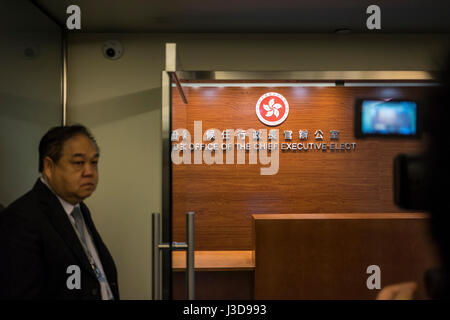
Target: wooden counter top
[[216, 261]]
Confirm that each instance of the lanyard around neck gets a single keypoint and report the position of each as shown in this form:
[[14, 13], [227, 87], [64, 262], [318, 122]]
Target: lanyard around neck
[[94, 266]]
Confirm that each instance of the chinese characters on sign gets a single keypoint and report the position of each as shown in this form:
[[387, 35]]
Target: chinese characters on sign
[[235, 146], [258, 142]]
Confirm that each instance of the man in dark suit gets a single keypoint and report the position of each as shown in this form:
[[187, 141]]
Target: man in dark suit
[[49, 246]]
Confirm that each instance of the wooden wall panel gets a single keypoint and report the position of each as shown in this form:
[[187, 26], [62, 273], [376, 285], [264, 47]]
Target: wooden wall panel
[[213, 285], [225, 196]]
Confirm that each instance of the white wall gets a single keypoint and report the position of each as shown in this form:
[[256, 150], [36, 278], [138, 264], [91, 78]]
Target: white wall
[[121, 102], [30, 93]]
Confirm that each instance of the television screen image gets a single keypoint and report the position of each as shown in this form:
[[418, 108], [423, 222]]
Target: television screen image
[[387, 118]]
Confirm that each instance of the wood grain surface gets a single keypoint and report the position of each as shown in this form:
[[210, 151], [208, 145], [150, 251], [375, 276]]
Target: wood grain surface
[[215, 260], [225, 196], [327, 258], [223, 285]]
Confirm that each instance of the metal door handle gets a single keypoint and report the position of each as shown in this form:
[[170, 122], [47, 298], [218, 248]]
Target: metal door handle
[[157, 248]]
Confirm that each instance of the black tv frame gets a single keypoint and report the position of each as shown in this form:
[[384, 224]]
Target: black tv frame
[[358, 115]]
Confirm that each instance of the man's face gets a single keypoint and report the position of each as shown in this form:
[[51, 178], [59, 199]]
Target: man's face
[[74, 177]]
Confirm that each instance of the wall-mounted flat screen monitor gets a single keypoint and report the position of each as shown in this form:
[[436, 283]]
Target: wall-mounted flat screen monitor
[[386, 118]]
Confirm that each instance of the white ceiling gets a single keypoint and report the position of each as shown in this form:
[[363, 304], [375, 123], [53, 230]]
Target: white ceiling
[[323, 16]]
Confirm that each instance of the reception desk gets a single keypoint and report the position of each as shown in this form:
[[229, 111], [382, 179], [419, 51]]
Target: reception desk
[[219, 275], [326, 256]]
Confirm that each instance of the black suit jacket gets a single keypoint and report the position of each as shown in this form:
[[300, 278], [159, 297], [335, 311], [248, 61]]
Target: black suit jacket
[[38, 244]]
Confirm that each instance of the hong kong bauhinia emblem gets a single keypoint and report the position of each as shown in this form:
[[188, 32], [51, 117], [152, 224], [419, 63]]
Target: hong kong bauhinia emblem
[[272, 109]]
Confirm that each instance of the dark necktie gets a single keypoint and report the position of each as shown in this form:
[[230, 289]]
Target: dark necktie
[[77, 215]]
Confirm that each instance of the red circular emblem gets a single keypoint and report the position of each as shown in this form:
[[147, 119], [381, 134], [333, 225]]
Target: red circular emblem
[[272, 109]]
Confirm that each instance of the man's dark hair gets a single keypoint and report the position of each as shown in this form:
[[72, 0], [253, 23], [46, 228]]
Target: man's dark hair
[[52, 142]]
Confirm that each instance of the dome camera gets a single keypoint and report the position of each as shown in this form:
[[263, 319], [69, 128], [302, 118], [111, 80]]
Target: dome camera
[[31, 51], [112, 50]]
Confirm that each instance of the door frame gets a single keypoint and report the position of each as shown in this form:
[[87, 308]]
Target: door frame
[[171, 74]]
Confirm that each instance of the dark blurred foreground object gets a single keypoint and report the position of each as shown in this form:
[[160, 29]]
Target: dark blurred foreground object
[[1, 207], [438, 175], [421, 182], [410, 190], [437, 283]]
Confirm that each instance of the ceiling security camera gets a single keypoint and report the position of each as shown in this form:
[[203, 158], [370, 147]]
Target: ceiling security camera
[[31, 51], [112, 50]]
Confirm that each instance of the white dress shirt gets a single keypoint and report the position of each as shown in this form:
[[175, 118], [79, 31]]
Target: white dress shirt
[[68, 208]]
